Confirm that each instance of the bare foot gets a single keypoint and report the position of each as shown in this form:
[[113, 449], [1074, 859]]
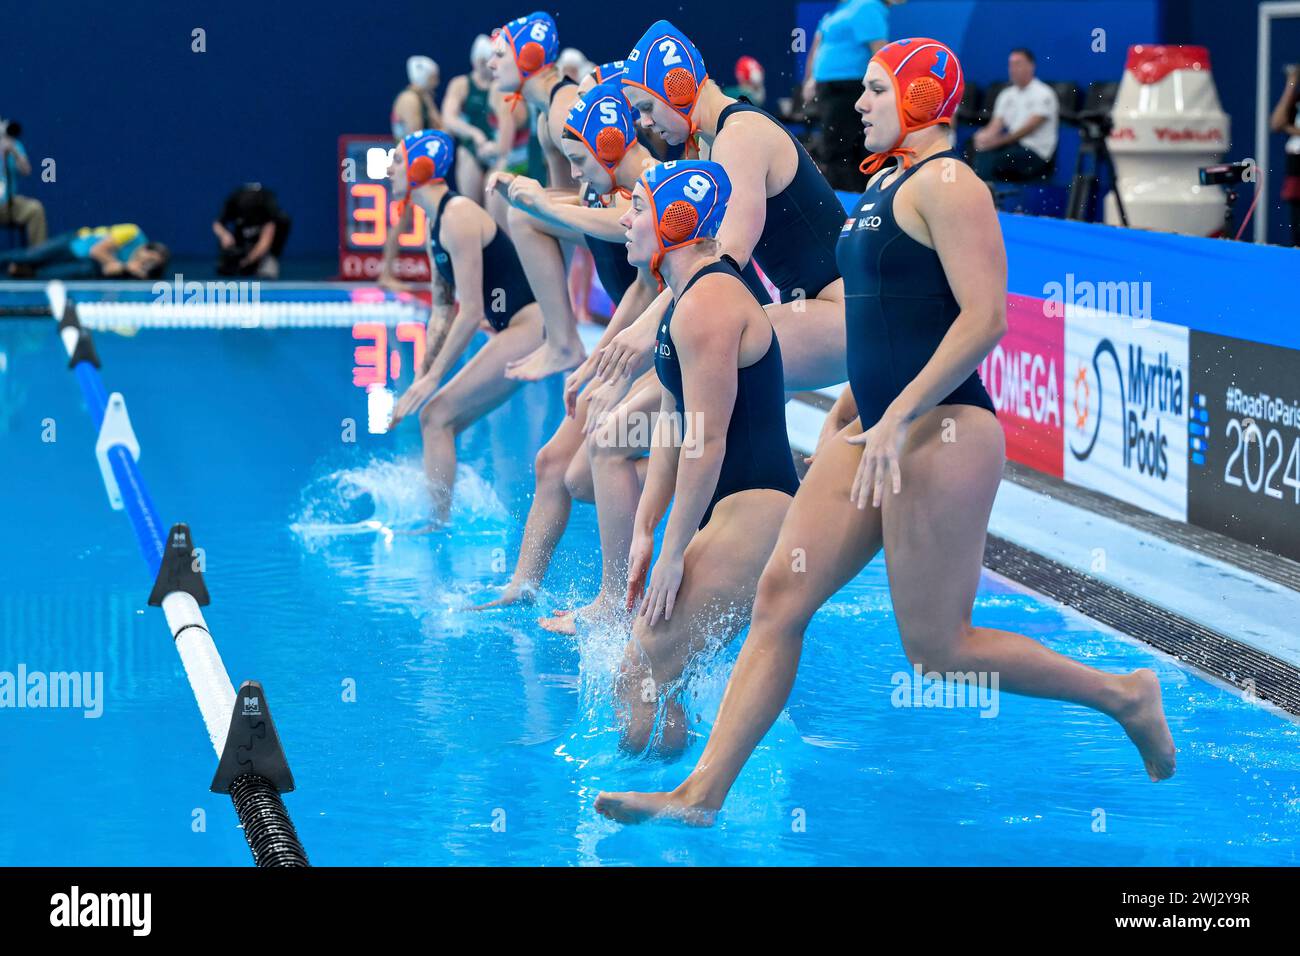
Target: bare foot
[[546, 361], [599, 613], [632, 807], [561, 622], [512, 594], [1144, 722]]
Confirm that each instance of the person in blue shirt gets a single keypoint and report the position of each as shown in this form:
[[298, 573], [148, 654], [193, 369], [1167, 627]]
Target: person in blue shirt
[[846, 39], [16, 210]]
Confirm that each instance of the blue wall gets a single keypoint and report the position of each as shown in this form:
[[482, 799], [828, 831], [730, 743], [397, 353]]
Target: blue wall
[[1058, 31], [144, 130]]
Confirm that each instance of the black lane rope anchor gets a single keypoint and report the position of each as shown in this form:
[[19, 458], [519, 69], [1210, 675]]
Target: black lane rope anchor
[[253, 768]]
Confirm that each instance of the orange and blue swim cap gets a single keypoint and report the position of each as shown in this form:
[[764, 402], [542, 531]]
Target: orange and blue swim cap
[[534, 42], [428, 156], [666, 64], [688, 200], [610, 72], [603, 121]]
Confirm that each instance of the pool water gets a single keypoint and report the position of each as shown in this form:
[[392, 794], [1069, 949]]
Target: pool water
[[419, 733]]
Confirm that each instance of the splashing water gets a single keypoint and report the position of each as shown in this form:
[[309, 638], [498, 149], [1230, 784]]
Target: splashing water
[[387, 497]]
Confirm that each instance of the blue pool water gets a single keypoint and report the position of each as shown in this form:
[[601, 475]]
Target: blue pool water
[[480, 739]]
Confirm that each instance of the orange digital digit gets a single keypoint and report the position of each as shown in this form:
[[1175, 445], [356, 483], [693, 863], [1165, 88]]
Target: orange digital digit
[[372, 360], [372, 215], [412, 332], [414, 236]]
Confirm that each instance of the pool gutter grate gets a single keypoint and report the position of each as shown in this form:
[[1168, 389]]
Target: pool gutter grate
[[1255, 672], [1264, 564]]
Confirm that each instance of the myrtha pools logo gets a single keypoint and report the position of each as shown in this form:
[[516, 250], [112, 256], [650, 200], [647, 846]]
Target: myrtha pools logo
[[1146, 388]]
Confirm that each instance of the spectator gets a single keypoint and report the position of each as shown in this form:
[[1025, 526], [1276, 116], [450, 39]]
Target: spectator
[[252, 231], [414, 108], [573, 64], [16, 210], [750, 81], [90, 253], [845, 41], [1286, 119], [1020, 140]]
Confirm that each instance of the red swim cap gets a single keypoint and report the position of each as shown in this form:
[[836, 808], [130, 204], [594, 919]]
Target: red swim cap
[[748, 71], [928, 85]]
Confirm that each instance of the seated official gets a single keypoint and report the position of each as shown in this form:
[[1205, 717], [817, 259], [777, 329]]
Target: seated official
[[1019, 142]]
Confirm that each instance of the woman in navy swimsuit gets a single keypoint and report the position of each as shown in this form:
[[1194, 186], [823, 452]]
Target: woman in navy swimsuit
[[917, 468], [726, 467], [473, 265]]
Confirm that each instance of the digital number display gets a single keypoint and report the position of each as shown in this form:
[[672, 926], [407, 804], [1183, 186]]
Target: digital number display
[[367, 211], [374, 213], [375, 363]]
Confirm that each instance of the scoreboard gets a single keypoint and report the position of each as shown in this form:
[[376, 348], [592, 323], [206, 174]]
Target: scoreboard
[[367, 213]]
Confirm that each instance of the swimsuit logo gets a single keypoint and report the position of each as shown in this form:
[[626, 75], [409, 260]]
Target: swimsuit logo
[[870, 222]]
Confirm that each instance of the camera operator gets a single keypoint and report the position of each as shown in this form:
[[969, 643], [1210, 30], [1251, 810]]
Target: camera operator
[[252, 230], [16, 210]]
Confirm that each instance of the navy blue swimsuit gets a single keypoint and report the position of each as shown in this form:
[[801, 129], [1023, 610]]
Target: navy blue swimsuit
[[615, 272], [758, 449], [505, 286], [797, 247], [898, 305]]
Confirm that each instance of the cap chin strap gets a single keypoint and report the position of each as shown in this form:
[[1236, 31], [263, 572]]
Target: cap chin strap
[[876, 161], [514, 99], [608, 167]]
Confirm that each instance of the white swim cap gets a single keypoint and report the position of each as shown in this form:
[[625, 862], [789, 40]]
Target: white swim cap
[[573, 57], [482, 48], [419, 69]]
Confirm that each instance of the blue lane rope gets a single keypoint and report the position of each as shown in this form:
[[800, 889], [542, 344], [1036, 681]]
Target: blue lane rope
[[267, 826]]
